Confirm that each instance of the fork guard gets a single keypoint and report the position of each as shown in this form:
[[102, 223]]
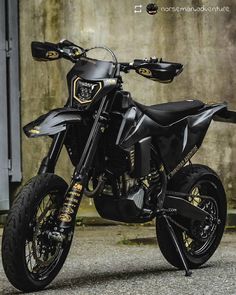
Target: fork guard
[[53, 122]]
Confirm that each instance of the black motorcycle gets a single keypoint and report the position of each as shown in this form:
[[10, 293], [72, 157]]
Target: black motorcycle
[[132, 159]]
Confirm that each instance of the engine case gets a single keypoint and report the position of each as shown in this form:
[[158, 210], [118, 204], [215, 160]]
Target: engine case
[[127, 209]]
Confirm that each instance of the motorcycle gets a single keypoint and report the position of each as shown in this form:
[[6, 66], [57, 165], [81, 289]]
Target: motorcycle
[[133, 160]]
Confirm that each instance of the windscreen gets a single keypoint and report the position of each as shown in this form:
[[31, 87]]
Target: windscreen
[[93, 69]]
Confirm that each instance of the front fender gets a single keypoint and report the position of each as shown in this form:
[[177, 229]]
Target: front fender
[[53, 122]]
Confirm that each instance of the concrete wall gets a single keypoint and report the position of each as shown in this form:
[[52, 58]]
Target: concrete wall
[[203, 42]]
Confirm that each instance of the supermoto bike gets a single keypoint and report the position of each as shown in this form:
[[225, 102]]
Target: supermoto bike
[[132, 159]]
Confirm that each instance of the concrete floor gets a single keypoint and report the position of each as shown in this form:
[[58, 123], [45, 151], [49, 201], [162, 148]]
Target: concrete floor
[[126, 260]]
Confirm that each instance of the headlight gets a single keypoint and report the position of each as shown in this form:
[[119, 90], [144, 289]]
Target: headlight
[[84, 91]]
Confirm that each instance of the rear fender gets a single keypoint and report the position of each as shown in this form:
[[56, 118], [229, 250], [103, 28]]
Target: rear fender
[[226, 116], [53, 122]]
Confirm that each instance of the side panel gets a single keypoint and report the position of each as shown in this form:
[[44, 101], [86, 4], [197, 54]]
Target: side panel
[[176, 143]]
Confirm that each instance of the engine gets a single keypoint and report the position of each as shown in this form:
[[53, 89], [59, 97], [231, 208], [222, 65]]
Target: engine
[[130, 183]]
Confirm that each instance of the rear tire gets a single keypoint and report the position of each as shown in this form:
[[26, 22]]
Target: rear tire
[[189, 178], [26, 229]]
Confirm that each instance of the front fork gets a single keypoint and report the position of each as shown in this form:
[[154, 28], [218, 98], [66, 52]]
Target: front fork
[[72, 199], [73, 196]]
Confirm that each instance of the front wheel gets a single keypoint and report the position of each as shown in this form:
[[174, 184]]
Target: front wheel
[[203, 238], [31, 259]]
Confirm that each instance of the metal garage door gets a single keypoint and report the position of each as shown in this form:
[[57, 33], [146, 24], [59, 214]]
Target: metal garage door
[[10, 163]]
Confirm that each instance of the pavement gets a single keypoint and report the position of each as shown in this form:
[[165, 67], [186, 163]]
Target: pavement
[[126, 260]]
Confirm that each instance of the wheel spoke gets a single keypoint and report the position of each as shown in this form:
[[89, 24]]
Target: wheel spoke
[[42, 253], [201, 234], [29, 256]]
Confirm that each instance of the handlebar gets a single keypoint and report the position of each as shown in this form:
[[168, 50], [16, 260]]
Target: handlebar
[[152, 68], [70, 51]]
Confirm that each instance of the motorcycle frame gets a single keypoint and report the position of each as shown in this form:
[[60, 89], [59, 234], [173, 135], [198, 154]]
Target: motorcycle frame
[[80, 175]]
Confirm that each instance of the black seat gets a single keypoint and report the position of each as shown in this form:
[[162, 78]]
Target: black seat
[[168, 113]]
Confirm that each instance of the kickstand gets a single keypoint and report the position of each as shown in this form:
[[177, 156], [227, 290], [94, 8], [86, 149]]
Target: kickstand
[[178, 247]]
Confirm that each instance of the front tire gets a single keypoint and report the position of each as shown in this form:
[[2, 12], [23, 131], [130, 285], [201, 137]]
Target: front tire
[[195, 180], [30, 259]]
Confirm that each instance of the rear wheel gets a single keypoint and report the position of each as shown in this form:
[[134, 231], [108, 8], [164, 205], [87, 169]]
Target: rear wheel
[[31, 259], [199, 244]]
